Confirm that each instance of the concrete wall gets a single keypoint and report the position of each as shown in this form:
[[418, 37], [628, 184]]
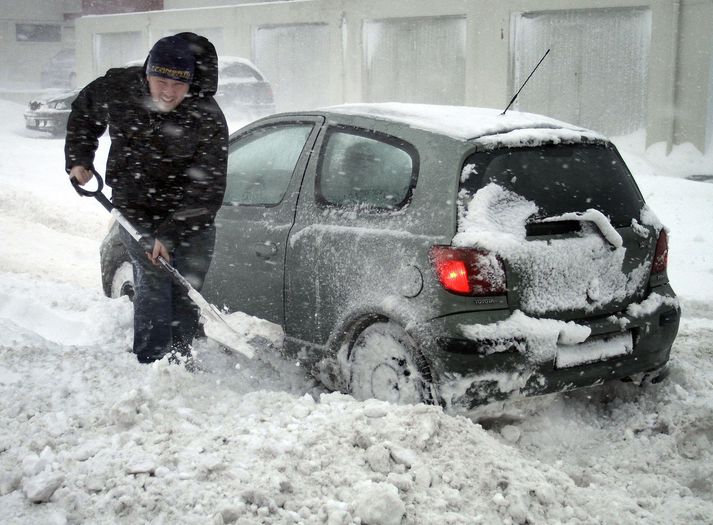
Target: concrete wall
[[693, 103], [22, 61], [677, 73], [185, 4]]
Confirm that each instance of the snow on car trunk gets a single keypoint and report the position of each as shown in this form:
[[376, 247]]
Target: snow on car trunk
[[565, 220], [560, 275]]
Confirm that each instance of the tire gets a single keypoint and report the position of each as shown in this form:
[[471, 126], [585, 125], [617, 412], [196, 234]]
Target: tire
[[117, 274], [123, 281], [385, 364]]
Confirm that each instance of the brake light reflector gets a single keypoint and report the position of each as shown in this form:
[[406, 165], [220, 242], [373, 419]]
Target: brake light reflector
[[467, 271], [661, 255]]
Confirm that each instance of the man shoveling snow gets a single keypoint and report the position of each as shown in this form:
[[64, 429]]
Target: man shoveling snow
[[167, 168]]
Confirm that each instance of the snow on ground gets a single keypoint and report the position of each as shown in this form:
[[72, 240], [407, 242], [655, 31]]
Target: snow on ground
[[87, 435]]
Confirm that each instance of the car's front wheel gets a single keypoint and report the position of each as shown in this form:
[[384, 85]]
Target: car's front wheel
[[385, 364]]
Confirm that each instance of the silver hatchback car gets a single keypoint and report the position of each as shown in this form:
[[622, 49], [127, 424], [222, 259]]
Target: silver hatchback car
[[441, 254]]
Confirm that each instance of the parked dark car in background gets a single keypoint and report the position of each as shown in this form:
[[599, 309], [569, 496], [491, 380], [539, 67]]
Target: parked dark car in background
[[438, 254], [50, 114], [243, 91], [60, 71]]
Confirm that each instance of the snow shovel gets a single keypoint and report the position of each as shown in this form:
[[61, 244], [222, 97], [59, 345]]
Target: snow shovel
[[214, 324]]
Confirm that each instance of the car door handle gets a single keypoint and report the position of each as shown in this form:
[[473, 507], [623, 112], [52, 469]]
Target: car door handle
[[266, 250]]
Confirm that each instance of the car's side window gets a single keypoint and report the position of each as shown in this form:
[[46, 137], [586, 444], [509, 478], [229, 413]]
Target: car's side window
[[260, 164], [365, 170]]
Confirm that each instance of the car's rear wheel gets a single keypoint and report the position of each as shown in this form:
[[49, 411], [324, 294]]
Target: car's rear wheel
[[123, 281], [385, 364]]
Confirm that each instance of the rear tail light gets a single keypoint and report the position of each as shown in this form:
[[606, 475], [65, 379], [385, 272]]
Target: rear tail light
[[661, 255], [467, 271]]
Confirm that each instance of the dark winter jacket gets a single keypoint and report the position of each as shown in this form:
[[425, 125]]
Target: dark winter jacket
[[167, 171]]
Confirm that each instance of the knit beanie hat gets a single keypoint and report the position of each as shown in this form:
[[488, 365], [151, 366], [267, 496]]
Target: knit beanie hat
[[172, 58]]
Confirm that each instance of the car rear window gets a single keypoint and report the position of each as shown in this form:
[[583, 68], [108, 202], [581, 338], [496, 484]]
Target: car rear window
[[238, 70], [559, 179]]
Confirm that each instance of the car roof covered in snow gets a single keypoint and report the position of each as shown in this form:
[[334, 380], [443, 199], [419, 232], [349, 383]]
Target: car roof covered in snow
[[488, 127]]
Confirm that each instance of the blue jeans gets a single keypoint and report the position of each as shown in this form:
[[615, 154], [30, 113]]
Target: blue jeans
[[165, 319]]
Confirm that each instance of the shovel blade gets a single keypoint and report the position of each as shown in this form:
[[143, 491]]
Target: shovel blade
[[218, 329], [220, 332]]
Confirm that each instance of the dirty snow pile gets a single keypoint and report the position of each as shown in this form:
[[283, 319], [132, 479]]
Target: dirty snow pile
[[95, 437], [88, 435]]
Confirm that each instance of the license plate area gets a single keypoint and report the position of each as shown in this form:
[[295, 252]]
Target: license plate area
[[594, 349]]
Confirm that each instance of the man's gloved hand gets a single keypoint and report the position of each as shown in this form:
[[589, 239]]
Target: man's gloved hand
[[82, 174], [158, 249]]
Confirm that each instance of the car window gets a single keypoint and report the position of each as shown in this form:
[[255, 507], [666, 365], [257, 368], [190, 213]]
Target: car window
[[559, 179], [238, 70], [260, 165], [365, 169]]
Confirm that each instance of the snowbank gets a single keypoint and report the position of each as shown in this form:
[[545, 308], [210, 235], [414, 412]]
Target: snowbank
[[97, 438]]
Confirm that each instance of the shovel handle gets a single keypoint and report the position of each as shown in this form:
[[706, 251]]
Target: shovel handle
[[86, 193], [144, 239]]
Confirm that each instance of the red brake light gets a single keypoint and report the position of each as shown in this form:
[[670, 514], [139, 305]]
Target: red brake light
[[661, 255], [466, 271], [454, 276]]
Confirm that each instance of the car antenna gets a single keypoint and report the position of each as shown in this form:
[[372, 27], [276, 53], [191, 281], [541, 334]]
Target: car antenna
[[523, 84]]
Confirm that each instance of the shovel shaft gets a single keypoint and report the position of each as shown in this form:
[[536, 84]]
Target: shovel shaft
[[144, 239]]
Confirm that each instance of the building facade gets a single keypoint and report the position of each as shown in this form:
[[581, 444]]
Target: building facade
[[33, 32], [622, 67]]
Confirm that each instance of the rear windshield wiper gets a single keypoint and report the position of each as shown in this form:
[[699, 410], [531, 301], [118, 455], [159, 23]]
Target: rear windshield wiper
[[595, 217]]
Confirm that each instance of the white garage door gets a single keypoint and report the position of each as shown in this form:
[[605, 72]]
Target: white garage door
[[415, 60], [596, 73], [295, 59], [116, 49]]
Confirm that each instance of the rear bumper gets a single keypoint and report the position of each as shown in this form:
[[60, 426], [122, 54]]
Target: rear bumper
[[473, 372]]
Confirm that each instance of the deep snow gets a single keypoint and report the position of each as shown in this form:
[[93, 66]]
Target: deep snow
[[95, 437]]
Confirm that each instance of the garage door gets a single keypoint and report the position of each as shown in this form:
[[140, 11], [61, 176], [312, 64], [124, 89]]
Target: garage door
[[596, 73], [295, 59], [415, 60]]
